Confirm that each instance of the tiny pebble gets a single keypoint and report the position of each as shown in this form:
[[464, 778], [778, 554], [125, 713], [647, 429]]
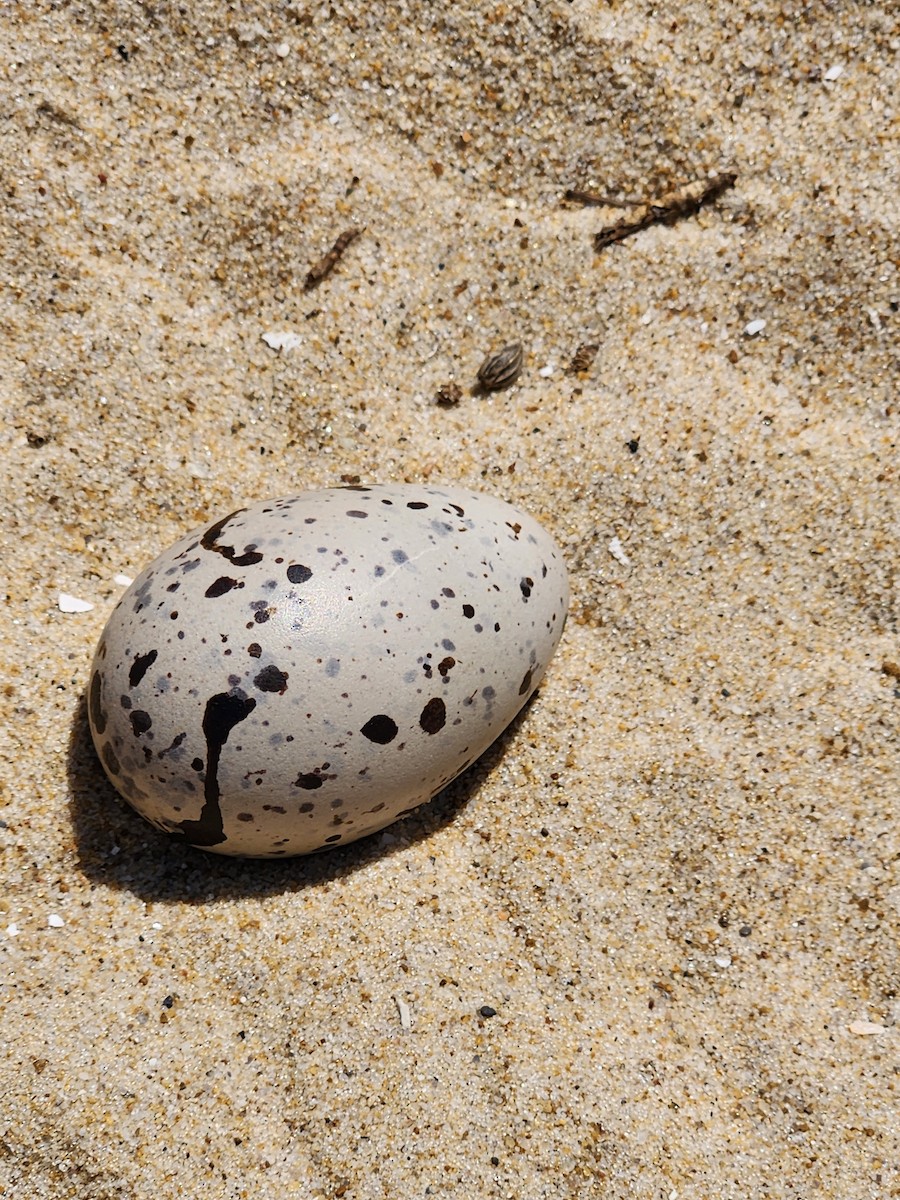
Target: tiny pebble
[[487, 1011], [618, 552], [752, 328], [833, 73], [12, 929], [722, 960], [123, 580], [72, 604], [282, 50], [55, 922]]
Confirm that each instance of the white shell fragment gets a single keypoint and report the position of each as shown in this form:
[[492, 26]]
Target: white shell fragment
[[866, 1028], [308, 669], [282, 341], [405, 1014], [617, 550], [68, 603]]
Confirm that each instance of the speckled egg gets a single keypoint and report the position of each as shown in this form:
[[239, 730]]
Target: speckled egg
[[306, 670]]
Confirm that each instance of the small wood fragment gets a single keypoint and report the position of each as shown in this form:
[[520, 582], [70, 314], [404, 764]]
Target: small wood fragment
[[448, 394], [502, 369], [326, 264], [685, 203], [583, 358], [598, 199], [48, 109]]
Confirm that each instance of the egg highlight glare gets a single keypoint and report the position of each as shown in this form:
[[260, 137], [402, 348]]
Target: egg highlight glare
[[306, 670]]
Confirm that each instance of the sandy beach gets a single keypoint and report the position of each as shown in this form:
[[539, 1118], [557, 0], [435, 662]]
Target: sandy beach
[[649, 944]]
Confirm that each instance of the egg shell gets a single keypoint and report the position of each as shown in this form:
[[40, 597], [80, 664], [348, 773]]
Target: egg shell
[[306, 670]]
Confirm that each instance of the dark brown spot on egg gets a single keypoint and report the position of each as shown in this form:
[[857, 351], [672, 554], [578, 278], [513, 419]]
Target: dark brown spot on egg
[[433, 716], [140, 721], [221, 586], [380, 728], [271, 679]]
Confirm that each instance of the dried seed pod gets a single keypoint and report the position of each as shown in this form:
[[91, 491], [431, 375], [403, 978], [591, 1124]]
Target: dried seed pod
[[448, 394], [583, 357], [501, 369]]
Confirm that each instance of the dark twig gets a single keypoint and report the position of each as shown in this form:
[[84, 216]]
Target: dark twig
[[326, 264], [685, 203], [599, 199]]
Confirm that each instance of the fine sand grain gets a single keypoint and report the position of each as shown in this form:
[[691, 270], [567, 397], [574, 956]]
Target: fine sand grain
[[649, 945]]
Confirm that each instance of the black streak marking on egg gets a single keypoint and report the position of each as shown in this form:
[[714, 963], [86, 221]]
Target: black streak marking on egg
[[223, 712], [95, 704], [210, 541], [141, 665], [173, 747]]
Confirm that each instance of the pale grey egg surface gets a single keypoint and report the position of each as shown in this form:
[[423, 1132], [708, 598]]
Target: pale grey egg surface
[[308, 669]]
